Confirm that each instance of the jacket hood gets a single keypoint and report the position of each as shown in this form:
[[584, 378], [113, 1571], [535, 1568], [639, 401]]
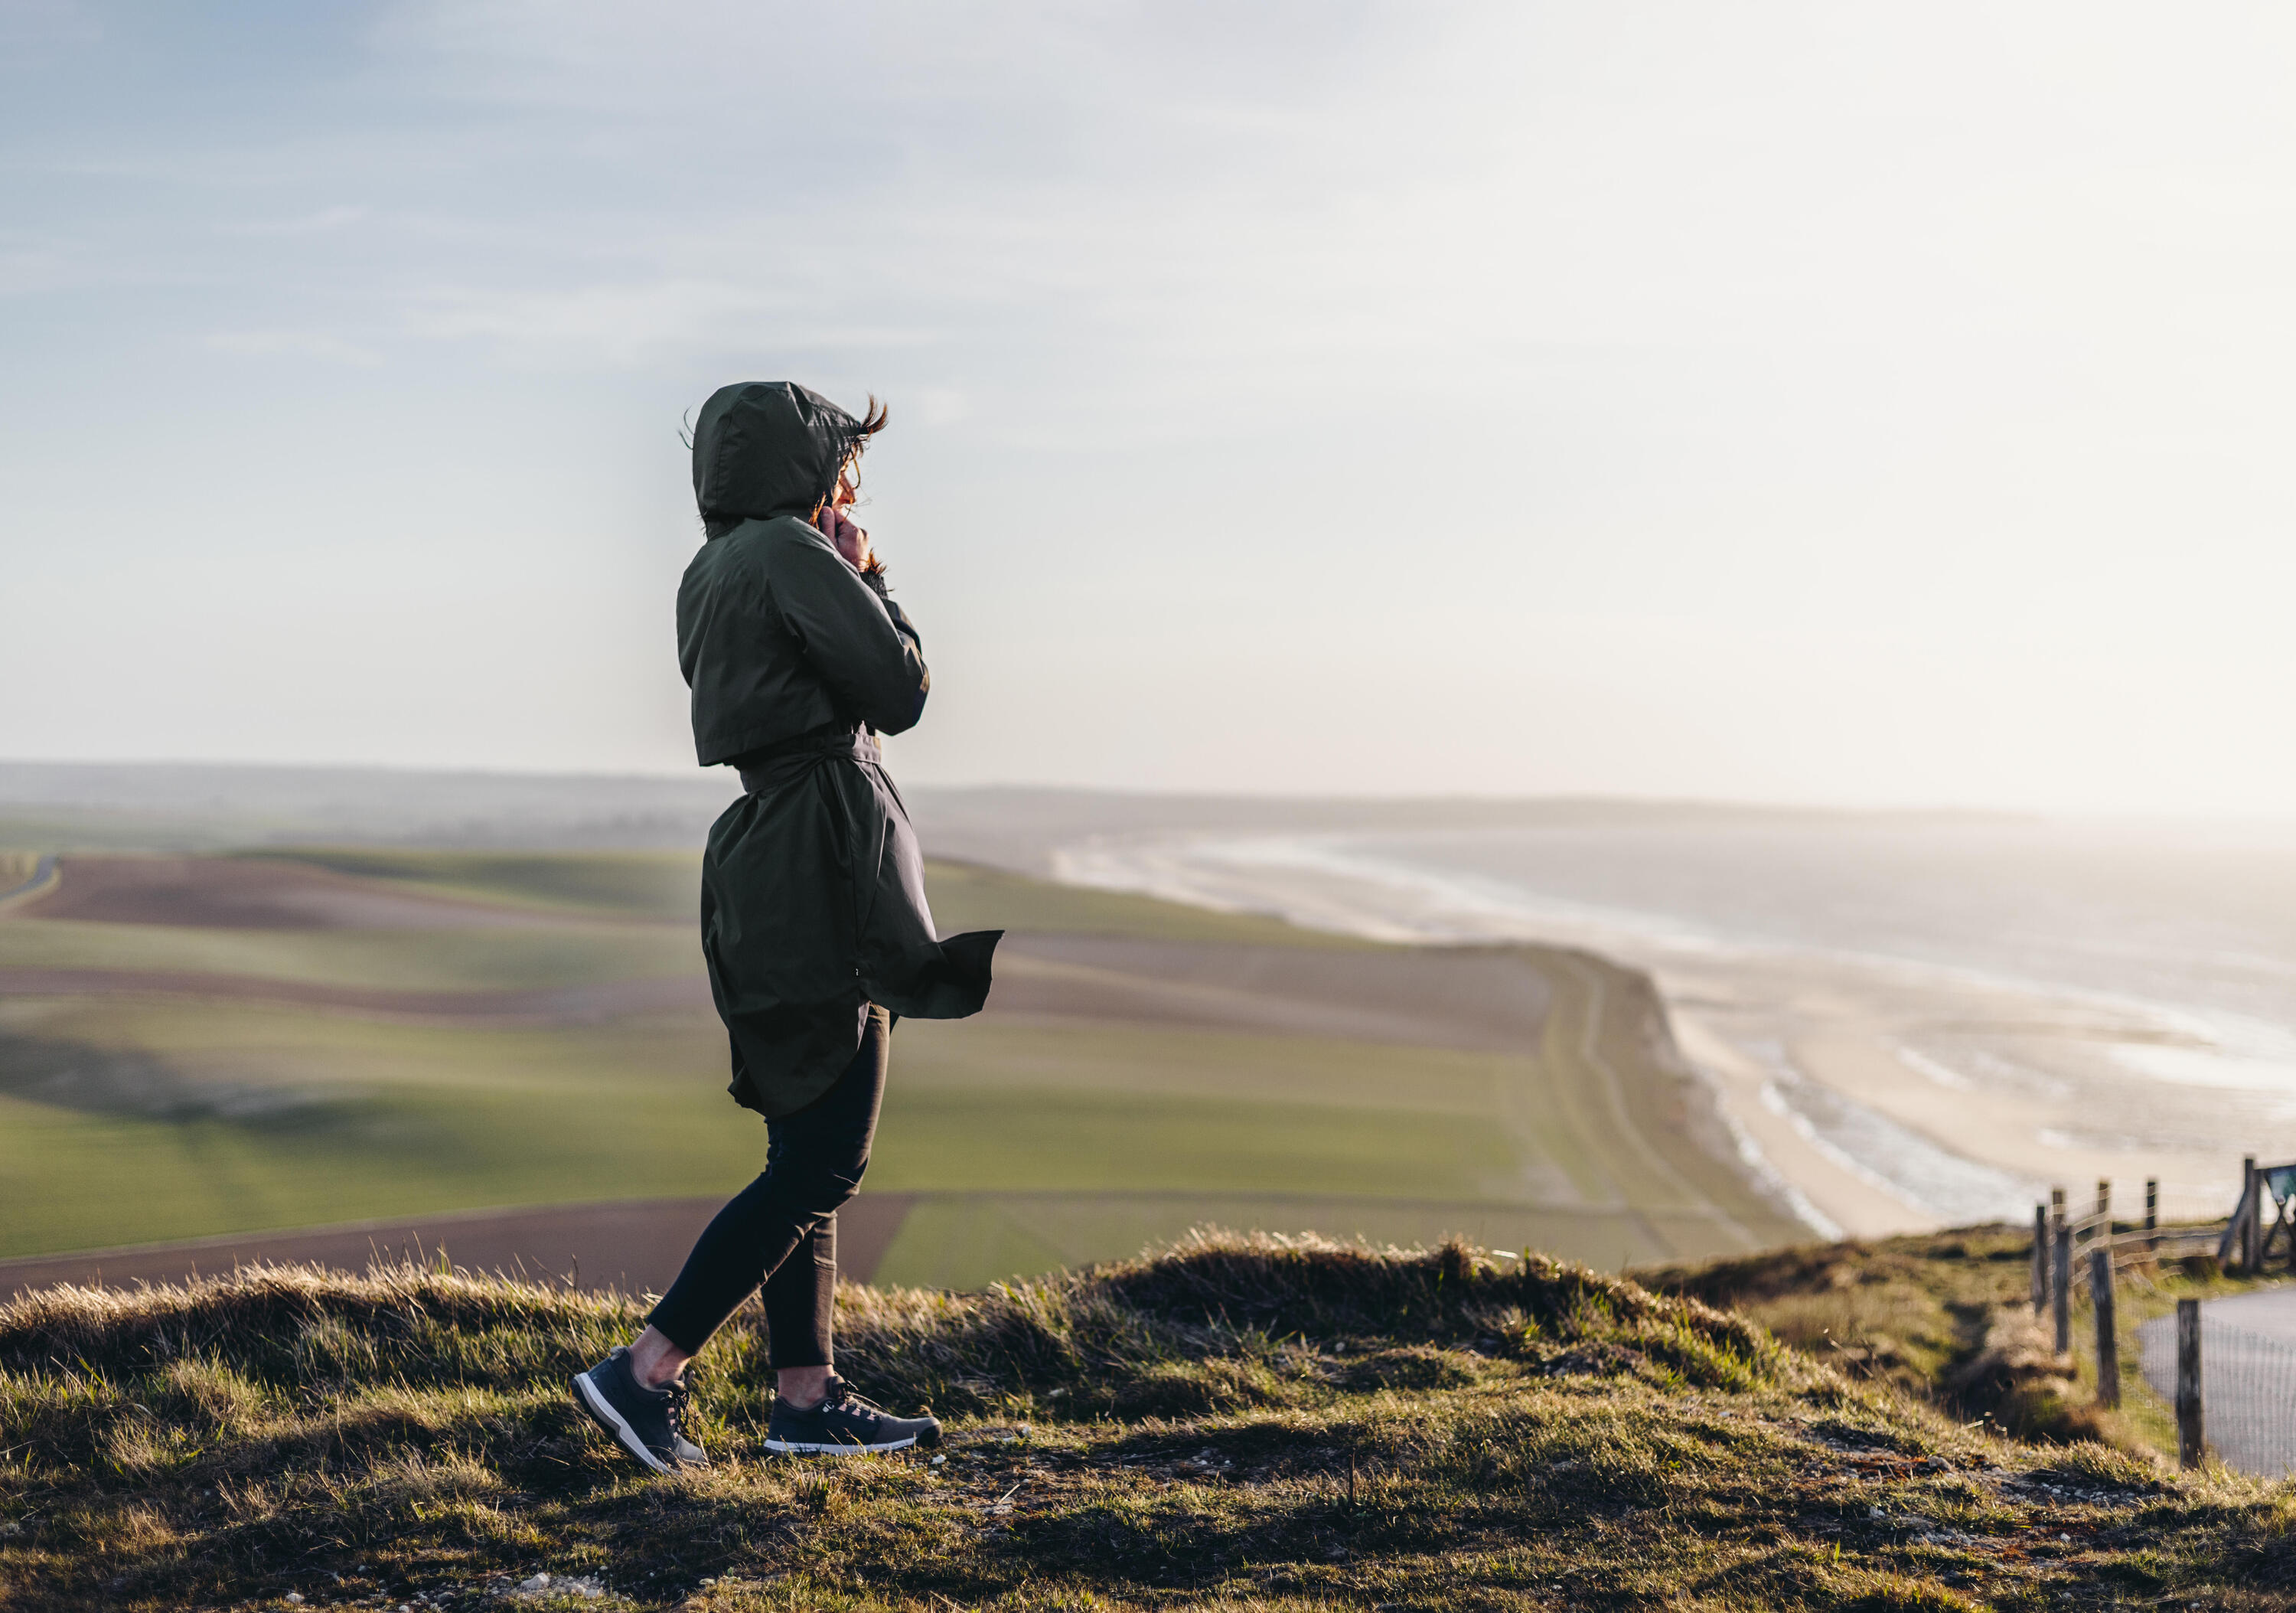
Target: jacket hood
[[766, 447]]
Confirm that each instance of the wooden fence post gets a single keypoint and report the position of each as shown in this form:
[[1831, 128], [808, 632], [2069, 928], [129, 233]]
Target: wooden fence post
[[2104, 1201], [2191, 1441], [2060, 1286], [2040, 1259], [2151, 1212], [2251, 1246], [2108, 1340]]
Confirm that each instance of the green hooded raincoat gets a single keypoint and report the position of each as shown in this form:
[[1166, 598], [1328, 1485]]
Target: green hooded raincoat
[[813, 897]]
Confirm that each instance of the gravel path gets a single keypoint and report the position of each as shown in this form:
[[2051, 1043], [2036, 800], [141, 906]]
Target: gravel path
[[551, 1004], [41, 870]]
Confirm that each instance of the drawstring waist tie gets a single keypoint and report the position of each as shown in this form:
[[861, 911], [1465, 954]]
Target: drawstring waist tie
[[767, 770]]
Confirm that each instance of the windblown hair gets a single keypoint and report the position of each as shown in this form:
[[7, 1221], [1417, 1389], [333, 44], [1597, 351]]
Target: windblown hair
[[864, 432], [872, 422]]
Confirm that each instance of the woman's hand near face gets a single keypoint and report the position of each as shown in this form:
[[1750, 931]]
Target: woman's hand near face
[[852, 542]]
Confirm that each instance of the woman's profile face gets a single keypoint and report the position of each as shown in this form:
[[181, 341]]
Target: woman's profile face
[[848, 484]]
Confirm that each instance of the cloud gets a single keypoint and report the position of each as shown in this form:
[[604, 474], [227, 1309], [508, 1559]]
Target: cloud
[[320, 345], [633, 322], [27, 26], [27, 268], [319, 222]]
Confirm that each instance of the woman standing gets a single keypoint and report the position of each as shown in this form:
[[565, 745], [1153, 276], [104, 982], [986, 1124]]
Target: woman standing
[[813, 921]]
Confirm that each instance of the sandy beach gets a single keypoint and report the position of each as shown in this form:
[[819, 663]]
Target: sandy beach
[[2059, 1113]]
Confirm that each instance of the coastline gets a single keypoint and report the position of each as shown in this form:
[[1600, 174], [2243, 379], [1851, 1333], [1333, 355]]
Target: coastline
[[1873, 1094]]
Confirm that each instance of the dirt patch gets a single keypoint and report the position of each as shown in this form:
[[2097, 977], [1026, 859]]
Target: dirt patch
[[1490, 1000], [634, 1245], [235, 894]]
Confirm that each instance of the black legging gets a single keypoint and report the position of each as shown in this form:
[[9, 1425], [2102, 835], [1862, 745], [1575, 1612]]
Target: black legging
[[813, 1161]]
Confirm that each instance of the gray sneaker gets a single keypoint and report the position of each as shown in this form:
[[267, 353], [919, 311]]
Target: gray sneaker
[[844, 1425], [649, 1423]]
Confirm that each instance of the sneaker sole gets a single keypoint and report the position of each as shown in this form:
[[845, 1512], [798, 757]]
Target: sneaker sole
[[602, 1413], [798, 1447]]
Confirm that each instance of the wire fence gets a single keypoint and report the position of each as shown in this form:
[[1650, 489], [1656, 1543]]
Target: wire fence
[[2248, 1388]]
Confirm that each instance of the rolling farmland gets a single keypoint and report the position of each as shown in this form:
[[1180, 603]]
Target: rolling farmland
[[201, 1045]]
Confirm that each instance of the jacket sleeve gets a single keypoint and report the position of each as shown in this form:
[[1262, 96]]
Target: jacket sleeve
[[857, 639]]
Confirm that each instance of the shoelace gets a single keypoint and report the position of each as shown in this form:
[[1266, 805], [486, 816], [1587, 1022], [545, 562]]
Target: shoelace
[[841, 1395], [676, 1408]]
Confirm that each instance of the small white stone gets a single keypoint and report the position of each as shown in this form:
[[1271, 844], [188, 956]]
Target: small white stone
[[540, 1582]]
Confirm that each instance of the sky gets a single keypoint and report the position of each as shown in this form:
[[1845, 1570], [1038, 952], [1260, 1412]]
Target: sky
[[1867, 405]]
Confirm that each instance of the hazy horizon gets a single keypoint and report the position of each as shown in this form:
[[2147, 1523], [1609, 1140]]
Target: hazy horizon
[[1784, 406], [167, 786]]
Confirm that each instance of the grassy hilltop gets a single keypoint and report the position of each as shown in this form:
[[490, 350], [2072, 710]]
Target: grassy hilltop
[[1233, 1424]]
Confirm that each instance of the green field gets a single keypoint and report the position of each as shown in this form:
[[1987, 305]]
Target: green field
[[421, 961], [226, 1091]]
